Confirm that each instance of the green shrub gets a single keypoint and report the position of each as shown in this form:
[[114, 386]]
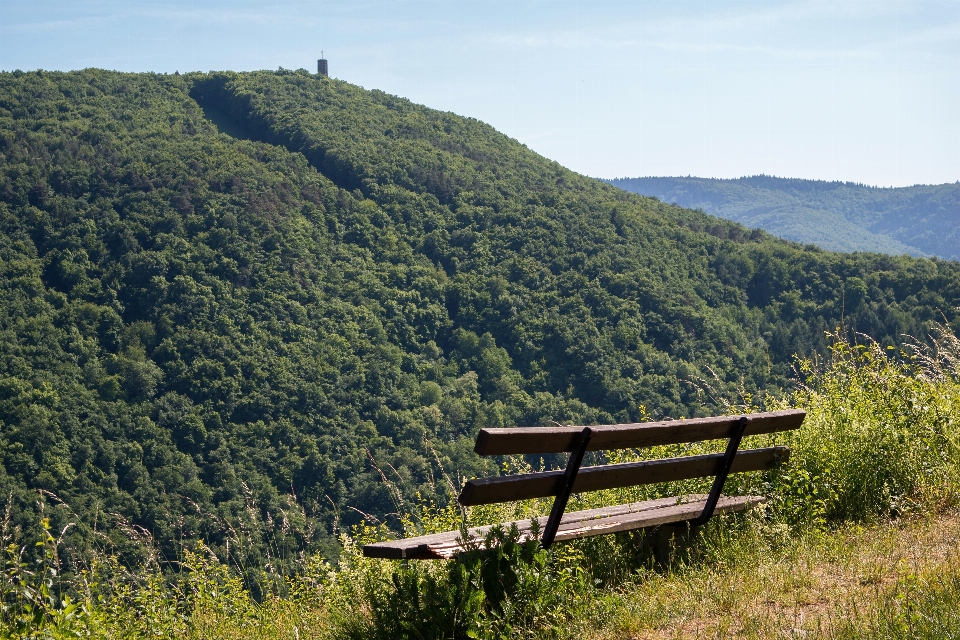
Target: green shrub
[[881, 437]]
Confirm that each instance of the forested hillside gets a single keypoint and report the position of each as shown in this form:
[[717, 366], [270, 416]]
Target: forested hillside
[[232, 292], [922, 220]]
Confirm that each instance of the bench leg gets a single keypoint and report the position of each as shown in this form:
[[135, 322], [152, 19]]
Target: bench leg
[[569, 476], [672, 542], [722, 472]]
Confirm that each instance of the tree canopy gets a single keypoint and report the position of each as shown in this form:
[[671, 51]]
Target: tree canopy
[[233, 291]]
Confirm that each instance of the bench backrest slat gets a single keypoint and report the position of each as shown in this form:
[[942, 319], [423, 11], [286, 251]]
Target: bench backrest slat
[[521, 440], [548, 483]]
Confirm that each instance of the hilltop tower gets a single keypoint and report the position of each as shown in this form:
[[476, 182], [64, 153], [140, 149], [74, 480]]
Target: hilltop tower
[[322, 65]]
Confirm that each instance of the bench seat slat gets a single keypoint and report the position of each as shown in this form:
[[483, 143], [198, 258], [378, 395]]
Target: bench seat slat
[[578, 524], [548, 483], [521, 440]]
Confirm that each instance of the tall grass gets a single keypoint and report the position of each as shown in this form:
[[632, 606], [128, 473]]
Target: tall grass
[[882, 434], [881, 440]]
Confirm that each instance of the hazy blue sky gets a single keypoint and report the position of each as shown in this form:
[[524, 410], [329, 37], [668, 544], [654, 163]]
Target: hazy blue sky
[[867, 91]]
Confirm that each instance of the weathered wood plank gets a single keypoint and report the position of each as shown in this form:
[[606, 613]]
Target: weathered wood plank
[[548, 483], [579, 524], [519, 440]]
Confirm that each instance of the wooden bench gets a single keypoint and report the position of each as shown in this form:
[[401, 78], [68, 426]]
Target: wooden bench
[[693, 509]]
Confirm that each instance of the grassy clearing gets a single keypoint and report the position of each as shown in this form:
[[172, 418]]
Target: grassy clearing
[[891, 579], [859, 539]]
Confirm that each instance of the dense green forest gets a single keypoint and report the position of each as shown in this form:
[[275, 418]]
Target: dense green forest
[[923, 220], [231, 293]]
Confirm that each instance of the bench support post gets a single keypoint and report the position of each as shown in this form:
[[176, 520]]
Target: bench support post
[[732, 445], [569, 476]]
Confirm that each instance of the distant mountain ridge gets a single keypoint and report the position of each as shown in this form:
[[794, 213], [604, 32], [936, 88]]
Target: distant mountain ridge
[[922, 220]]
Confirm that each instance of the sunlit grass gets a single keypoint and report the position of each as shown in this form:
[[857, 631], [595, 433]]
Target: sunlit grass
[[843, 583]]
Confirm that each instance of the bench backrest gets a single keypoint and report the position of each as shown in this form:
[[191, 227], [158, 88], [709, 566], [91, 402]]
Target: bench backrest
[[624, 436], [518, 440]]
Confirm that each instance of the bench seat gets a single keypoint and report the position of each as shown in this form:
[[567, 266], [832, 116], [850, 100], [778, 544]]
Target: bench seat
[[577, 524]]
